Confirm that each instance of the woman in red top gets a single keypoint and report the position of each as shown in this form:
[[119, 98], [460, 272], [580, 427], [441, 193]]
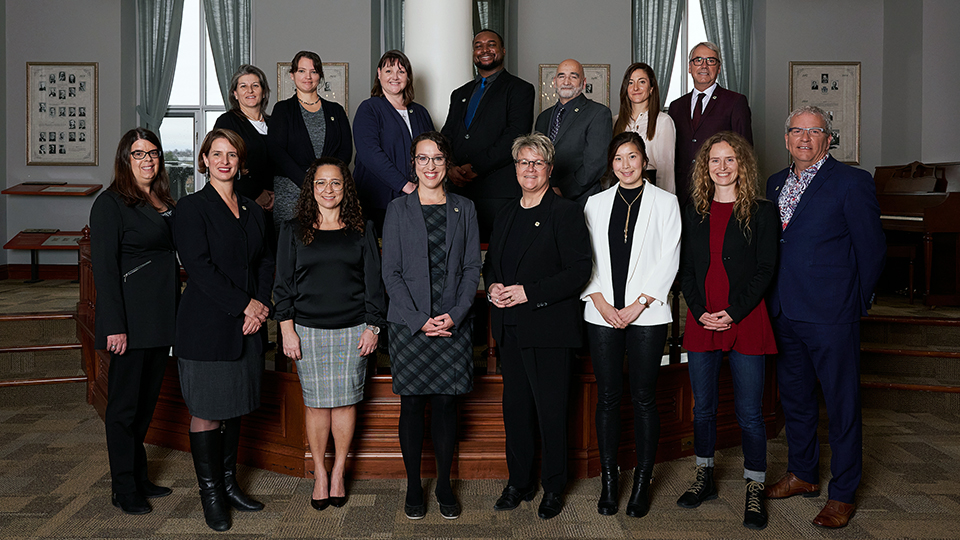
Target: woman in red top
[[729, 253]]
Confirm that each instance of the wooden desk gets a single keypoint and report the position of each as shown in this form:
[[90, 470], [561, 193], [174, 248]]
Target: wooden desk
[[53, 189], [59, 240]]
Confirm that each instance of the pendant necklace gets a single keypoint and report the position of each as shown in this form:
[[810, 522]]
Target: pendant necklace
[[626, 224], [307, 102]]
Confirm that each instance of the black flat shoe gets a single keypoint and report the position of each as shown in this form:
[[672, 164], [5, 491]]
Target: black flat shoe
[[131, 503], [511, 497], [152, 491], [319, 504], [338, 502], [450, 511], [415, 511], [550, 505]]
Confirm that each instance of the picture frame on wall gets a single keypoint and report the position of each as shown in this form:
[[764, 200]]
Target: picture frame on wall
[[334, 86], [62, 115], [835, 88], [596, 81]]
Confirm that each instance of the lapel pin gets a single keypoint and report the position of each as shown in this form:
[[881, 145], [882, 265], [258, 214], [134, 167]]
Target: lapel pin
[[455, 209], [244, 207], [536, 224], [577, 109], [332, 119], [464, 100]]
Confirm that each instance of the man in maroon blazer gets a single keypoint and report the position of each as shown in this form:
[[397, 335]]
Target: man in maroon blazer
[[707, 110]]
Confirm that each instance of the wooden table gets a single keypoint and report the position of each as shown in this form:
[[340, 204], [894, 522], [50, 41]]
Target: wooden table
[[53, 189], [36, 241]]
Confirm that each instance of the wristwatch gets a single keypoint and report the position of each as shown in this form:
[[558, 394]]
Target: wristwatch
[[642, 300], [374, 329]]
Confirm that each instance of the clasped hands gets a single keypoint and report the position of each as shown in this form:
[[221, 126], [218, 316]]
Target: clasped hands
[[717, 322], [438, 326], [461, 175], [506, 296], [618, 318], [254, 315]]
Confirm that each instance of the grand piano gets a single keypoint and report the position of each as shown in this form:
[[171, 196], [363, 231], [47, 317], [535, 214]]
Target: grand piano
[[923, 199]]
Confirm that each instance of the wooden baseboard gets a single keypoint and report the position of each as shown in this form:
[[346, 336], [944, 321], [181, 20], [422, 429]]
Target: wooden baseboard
[[47, 271]]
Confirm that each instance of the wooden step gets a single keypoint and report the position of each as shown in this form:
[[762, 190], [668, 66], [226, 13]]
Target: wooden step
[[38, 316], [929, 352], [41, 348]]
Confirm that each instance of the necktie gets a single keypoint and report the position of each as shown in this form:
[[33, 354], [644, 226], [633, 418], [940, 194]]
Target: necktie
[[474, 102], [698, 111], [555, 128]]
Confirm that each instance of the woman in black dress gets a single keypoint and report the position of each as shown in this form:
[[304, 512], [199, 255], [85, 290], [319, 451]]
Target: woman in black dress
[[330, 306], [303, 128], [431, 268], [137, 279], [222, 246]]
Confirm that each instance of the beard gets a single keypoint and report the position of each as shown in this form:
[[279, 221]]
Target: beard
[[496, 63], [568, 93]]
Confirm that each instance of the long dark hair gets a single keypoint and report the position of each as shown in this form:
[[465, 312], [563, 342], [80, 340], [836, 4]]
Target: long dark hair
[[442, 144], [620, 139], [626, 106], [398, 59], [125, 183], [307, 211]]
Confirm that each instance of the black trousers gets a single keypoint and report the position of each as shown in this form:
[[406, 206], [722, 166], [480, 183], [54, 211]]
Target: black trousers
[[536, 384], [133, 386], [643, 346]]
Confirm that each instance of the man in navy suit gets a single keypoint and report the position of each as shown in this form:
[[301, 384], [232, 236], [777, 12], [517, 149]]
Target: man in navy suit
[[832, 251], [705, 111], [485, 116], [580, 130]]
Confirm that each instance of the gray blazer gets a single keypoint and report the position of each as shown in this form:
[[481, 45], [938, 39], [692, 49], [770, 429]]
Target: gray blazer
[[406, 270], [581, 145]]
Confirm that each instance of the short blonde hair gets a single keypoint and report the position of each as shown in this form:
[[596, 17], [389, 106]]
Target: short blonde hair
[[538, 142]]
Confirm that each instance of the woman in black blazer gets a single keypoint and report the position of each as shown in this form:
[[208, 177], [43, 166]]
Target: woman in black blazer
[[301, 129], [538, 261], [431, 268], [221, 240], [137, 280], [728, 258]]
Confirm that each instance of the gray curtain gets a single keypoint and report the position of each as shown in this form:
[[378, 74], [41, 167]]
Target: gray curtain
[[489, 14], [656, 28], [728, 25], [392, 25], [228, 23], [158, 40]]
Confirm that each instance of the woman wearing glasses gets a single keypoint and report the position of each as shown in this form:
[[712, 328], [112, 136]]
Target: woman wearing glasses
[[383, 130], [137, 279], [539, 259], [431, 268], [221, 240], [635, 232], [303, 128], [330, 306], [640, 112]]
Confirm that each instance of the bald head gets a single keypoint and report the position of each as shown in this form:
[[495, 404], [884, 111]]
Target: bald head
[[569, 80]]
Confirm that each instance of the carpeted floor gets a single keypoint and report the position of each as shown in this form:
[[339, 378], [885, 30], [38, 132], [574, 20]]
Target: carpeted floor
[[55, 483]]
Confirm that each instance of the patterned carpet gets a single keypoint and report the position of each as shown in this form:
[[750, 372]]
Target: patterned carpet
[[55, 483]]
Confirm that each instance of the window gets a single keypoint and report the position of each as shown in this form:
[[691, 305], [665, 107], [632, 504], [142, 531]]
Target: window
[[692, 31], [195, 103]]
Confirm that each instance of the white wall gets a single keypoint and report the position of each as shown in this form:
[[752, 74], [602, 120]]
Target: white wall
[[56, 31]]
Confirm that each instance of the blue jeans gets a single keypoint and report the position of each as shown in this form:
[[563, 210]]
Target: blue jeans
[[748, 377]]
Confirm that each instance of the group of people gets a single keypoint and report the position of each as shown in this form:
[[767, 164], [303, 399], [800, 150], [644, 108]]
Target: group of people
[[589, 218]]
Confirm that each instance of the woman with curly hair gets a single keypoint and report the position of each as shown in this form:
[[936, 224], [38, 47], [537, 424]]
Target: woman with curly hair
[[330, 305], [729, 253]]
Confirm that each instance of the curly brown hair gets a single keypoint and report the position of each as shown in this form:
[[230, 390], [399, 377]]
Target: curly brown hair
[[748, 178], [307, 211]]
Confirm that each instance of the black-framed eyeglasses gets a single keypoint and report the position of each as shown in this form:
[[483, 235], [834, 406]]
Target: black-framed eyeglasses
[[335, 185], [140, 154], [814, 131], [524, 163], [422, 160], [710, 60]]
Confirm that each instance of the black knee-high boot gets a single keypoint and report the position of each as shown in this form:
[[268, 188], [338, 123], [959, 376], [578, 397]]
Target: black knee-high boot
[[231, 446], [608, 439], [207, 450]]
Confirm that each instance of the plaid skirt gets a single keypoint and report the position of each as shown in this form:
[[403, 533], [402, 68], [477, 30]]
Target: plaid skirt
[[331, 370]]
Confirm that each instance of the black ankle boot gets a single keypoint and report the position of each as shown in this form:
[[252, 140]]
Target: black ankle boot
[[703, 489], [639, 503], [207, 450], [231, 445], [609, 491]]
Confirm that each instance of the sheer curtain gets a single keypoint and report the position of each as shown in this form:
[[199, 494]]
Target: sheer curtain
[[158, 40], [228, 23], [728, 25], [656, 27]]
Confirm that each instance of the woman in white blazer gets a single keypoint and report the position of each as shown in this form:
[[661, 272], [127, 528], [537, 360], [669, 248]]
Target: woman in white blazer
[[635, 231]]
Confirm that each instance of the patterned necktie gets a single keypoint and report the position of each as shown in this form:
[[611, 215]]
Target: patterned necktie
[[555, 128], [474, 102], [698, 111]]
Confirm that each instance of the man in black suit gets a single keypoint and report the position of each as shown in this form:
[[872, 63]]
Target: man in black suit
[[485, 116], [580, 130], [706, 110]]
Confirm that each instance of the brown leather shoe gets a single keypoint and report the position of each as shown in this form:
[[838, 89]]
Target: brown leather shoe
[[834, 515], [790, 485]]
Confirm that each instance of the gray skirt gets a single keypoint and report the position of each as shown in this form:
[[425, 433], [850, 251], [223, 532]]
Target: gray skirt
[[331, 370], [223, 390], [285, 194]]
